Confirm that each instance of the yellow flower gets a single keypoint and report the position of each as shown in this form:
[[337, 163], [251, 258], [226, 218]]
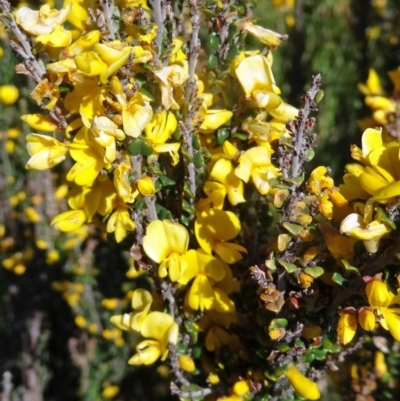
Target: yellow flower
[[213, 119], [120, 222], [161, 329], [302, 385], [89, 156], [354, 226], [377, 293], [165, 242], [347, 326], [223, 172], [9, 94], [366, 318], [256, 163], [214, 228], [186, 363], [158, 131], [59, 37], [136, 114], [41, 22], [254, 73], [266, 36], [90, 63], [84, 43], [45, 151], [122, 183], [205, 269], [69, 221], [110, 391], [39, 122], [141, 304], [79, 14], [145, 186], [373, 84], [171, 77]]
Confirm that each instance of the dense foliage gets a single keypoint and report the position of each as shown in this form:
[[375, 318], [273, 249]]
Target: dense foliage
[[164, 231]]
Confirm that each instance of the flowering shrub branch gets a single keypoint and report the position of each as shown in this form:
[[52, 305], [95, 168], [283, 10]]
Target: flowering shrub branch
[[247, 276]]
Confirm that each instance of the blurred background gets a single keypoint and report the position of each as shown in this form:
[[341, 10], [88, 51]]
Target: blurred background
[[57, 292]]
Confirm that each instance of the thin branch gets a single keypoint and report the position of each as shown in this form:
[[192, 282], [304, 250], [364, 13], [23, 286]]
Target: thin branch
[[159, 14], [301, 124], [201, 392], [150, 200], [38, 69], [7, 386], [187, 137], [108, 9], [194, 49]]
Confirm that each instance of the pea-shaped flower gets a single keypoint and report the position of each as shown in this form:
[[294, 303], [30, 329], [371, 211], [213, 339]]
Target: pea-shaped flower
[[165, 242]]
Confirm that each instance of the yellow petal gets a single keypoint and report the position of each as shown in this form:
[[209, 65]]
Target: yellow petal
[[302, 385]]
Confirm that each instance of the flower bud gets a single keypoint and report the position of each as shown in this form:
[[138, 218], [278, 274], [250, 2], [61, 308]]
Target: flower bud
[[367, 319]]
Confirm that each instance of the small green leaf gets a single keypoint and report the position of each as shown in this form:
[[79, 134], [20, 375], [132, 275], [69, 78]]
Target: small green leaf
[[222, 135], [240, 135], [213, 41], [166, 181], [198, 160], [139, 147], [319, 96], [278, 323], [293, 228], [196, 142], [338, 278], [310, 155], [187, 208], [349, 267], [320, 354], [314, 272], [289, 267], [381, 216], [283, 347], [280, 197], [212, 61]]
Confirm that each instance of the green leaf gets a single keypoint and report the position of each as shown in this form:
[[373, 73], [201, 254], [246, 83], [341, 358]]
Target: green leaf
[[320, 354], [213, 41], [381, 216], [166, 181], [212, 61], [222, 135], [338, 278], [310, 155], [139, 147], [349, 267], [293, 228], [198, 160], [314, 272], [196, 142], [187, 208], [240, 135], [289, 267], [278, 323]]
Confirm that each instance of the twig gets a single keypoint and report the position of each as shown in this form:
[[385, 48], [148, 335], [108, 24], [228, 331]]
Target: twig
[[187, 137], [194, 49], [159, 18], [201, 392], [173, 360], [166, 291], [38, 69], [150, 200], [301, 124], [7, 386], [108, 9]]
